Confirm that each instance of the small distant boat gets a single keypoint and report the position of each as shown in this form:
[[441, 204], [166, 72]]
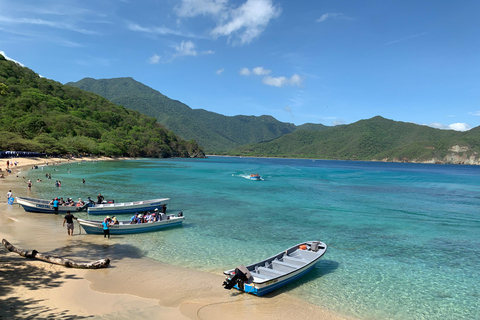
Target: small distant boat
[[127, 207], [45, 206], [267, 275], [254, 176], [124, 227]]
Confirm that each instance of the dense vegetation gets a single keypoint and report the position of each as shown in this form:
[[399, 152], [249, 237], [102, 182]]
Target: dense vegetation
[[372, 139], [215, 132], [45, 116]]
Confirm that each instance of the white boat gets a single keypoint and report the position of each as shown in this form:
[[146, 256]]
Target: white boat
[[44, 206], [124, 227], [128, 207], [267, 275]]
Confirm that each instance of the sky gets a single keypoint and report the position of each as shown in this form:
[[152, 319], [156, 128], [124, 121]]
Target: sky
[[300, 61]]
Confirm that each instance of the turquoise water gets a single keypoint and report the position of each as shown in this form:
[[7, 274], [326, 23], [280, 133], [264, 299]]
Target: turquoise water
[[403, 238]]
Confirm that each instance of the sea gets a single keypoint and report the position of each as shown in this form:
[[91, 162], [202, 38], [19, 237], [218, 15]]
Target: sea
[[403, 239]]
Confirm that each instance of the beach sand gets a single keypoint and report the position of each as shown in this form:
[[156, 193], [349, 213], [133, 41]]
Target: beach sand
[[133, 287]]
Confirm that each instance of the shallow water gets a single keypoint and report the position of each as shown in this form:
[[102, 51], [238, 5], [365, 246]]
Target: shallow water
[[403, 238]]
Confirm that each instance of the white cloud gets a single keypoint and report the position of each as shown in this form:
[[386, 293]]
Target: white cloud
[[260, 71], [459, 126], [248, 21], [154, 59], [244, 72], [192, 8], [407, 38], [338, 122], [42, 22], [294, 80], [332, 15], [454, 126], [155, 30], [476, 113], [10, 59], [220, 71], [187, 48], [282, 81]]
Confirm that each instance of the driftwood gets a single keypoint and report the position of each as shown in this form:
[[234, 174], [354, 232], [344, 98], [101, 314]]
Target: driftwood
[[103, 263]]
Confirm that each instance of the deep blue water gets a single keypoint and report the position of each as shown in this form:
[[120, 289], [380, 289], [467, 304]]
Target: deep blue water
[[403, 238]]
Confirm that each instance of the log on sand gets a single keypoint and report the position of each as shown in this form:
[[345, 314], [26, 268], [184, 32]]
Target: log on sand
[[103, 263]]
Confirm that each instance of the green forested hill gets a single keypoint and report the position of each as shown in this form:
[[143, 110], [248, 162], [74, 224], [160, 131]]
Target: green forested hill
[[215, 132], [373, 139], [45, 116]]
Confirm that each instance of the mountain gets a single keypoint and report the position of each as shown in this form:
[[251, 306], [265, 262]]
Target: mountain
[[215, 132], [45, 116], [374, 139]]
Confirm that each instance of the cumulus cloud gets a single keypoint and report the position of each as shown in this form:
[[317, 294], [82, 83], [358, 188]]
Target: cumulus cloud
[[188, 48], [331, 15], [240, 24], [454, 126], [154, 59], [281, 81], [294, 80]]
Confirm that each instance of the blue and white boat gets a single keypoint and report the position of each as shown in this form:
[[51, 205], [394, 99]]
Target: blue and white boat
[[44, 206], [127, 207], [255, 176], [124, 227], [267, 275]]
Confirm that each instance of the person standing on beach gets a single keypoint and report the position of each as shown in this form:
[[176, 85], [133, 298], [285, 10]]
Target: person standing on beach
[[55, 205], [9, 194], [69, 220], [106, 227], [29, 184]]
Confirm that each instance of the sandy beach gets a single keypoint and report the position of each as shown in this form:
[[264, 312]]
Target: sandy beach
[[133, 287]]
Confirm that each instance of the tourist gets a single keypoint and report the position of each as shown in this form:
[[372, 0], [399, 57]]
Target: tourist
[[29, 184], [69, 220], [100, 198], [106, 227], [134, 219], [55, 205]]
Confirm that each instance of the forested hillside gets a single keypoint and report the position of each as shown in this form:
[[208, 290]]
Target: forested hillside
[[45, 116], [215, 132], [374, 139]]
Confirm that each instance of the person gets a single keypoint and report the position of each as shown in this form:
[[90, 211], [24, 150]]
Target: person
[[55, 205], [80, 203], [133, 220], [69, 220], [164, 208], [9, 194], [100, 198], [114, 220], [29, 184], [83, 181], [106, 227]]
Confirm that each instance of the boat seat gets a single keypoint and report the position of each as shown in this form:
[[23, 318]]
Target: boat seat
[[269, 272], [258, 275], [293, 261], [282, 266]]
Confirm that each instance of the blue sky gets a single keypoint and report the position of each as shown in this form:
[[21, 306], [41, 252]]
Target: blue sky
[[329, 62]]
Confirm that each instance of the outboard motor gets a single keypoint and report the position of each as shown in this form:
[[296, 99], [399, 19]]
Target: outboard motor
[[180, 214], [241, 276]]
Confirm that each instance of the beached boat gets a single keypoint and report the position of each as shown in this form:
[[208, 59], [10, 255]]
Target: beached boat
[[124, 227], [255, 176], [44, 206], [128, 207], [267, 275]]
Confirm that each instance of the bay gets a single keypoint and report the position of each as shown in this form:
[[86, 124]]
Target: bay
[[403, 238]]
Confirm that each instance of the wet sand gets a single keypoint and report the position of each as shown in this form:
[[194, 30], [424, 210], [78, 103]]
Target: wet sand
[[133, 287]]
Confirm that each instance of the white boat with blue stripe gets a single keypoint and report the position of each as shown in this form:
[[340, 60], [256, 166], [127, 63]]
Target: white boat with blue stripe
[[44, 206], [124, 227], [127, 207], [267, 275]]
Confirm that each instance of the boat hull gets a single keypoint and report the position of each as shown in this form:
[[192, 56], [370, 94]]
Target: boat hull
[[127, 207], [43, 206], [95, 227]]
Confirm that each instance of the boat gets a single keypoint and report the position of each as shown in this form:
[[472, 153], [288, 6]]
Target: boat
[[127, 207], [254, 176], [124, 227], [45, 206], [267, 275]]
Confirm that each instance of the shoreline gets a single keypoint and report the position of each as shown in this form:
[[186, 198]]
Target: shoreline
[[159, 291]]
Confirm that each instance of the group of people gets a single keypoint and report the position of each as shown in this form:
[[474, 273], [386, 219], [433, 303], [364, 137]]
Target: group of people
[[148, 217]]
